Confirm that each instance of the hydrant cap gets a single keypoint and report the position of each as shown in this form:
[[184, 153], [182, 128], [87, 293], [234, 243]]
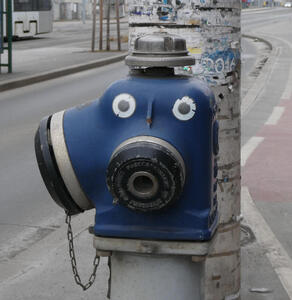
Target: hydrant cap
[[160, 49]]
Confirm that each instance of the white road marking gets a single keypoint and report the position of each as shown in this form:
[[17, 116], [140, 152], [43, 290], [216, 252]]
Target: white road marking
[[277, 255], [249, 147], [287, 94], [275, 115], [256, 11]]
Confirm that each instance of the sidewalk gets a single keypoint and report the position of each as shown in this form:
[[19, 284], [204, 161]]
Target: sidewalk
[[46, 274], [64, 51], [252, 9]]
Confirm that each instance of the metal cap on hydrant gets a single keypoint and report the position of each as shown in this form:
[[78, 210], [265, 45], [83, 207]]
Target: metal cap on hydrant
[[160, 49]]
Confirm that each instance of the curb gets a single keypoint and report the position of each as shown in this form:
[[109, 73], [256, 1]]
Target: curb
[[24, 81], [112, 21], [251, 97], [245, 10], [253, 37]]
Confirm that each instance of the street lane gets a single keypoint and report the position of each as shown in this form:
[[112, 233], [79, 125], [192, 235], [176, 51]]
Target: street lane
[[253, 19], [259, 23], [267, 173], [70, 33]]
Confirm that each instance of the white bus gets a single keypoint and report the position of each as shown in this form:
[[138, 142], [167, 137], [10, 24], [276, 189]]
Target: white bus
[[30, 17]]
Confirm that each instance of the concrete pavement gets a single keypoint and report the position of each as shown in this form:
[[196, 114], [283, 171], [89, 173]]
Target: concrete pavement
[[65, 51]]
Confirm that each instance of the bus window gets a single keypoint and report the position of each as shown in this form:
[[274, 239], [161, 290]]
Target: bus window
[[32, 5], [23, 5], [43, 5]]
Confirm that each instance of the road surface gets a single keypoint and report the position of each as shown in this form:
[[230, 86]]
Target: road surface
[[266, 154], [71, 34]]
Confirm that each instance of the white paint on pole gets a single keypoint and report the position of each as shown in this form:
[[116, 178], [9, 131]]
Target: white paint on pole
[[249, 148], [153, 277], [233, 297], [277, 255], [275, 115]]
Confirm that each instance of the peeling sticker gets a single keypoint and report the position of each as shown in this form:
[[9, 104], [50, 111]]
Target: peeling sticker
[[184, 109], [261, 290], [233, 297]]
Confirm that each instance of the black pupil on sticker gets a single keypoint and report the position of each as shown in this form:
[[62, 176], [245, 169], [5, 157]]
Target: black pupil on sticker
[[184, 108], [123, 105]]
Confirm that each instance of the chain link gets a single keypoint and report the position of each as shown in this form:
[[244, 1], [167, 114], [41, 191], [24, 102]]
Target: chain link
[[73, 259]]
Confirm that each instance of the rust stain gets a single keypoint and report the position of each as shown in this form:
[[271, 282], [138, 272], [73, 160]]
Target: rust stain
[[216, 277], [195, 22], [227, 253], [224, 228]]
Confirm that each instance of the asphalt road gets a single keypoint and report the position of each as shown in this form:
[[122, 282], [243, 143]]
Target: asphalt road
[[268, 171], [71, 33], [266, 136], [27, 212]]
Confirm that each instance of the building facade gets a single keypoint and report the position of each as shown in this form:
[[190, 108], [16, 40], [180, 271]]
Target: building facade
[[78, 9], [72, 9]]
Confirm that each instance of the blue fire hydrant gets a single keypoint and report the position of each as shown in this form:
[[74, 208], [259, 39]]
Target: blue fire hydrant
[[143, 155]]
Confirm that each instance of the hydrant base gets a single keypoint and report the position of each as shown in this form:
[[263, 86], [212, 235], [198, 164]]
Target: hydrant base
[[151, 246]]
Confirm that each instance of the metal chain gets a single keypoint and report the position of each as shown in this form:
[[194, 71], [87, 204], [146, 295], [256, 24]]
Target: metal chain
[[73, 259]]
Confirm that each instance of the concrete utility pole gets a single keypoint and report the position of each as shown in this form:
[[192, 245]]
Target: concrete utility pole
[[212, 31]]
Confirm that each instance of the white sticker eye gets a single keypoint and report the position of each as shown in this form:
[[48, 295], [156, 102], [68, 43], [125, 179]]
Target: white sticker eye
[[184, 109], [124, 105]]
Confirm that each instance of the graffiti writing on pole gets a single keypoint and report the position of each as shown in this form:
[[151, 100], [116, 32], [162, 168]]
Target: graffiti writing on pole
[[215, 57]]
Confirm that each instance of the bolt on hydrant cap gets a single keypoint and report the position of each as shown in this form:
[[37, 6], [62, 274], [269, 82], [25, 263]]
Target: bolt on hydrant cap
[[160, 49]]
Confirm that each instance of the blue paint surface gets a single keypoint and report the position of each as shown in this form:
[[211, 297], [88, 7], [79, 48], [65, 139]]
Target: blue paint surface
[[93, 131], [220, 61]]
